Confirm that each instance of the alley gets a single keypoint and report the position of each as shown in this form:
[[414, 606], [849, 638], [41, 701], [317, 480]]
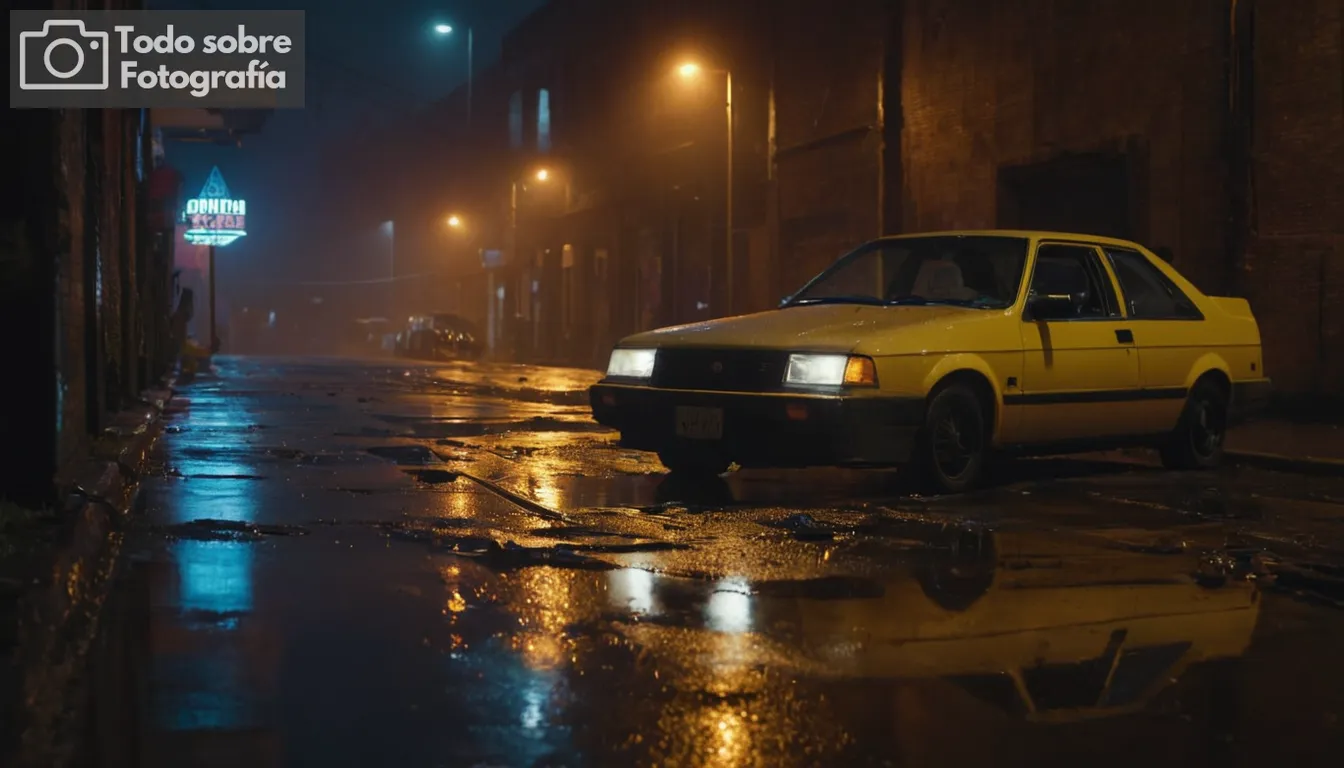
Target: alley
[[378, 563]]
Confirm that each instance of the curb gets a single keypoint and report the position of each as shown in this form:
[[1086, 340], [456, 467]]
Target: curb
[[1303, 465], [60, 614]]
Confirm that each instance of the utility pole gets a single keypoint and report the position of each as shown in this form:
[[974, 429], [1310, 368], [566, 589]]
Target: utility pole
[[728, 192]]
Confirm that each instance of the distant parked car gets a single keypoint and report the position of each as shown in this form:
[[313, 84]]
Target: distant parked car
[[937, 350], [440, 336], [369, 334]]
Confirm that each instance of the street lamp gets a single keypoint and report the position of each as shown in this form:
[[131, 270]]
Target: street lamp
[[443, 30], [542, 175], [689, 70], [455, 221]]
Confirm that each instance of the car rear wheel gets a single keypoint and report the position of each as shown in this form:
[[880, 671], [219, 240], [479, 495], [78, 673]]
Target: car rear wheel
[[1197, 442], [689, 462], [952, 448]]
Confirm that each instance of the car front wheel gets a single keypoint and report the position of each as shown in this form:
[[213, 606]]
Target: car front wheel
[[952, 448], [1197, 442]]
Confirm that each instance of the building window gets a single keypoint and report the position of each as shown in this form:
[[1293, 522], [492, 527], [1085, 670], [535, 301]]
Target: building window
[[516, 120], [544, 120]]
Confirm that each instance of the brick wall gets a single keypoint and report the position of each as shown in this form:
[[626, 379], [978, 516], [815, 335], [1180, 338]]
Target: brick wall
[[72, 312], [828, 142], [988, 85], [1295, 261], [67, 256]]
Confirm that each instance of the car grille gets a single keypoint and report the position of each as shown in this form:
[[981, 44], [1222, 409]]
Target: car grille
[[720, 369]]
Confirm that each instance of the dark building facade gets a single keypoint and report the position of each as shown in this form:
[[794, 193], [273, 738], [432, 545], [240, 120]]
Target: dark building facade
[[86, 279], [1215, 129], [86, 285]]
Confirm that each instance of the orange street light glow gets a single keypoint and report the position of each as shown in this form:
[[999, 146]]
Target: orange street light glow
[[454, 221], [689, 69], [543, 174]]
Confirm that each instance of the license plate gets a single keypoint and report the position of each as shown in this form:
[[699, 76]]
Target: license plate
[[699, 423]]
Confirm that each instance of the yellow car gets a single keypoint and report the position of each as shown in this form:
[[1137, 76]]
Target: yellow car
[[937, 350]]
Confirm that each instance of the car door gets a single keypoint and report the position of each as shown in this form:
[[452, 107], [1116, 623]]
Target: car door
[[1080, 375], [1169, 333]]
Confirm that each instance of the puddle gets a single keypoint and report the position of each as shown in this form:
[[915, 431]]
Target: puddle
[[292, 454], [804, 527], [433, 476], [451, 427], [405, 455], [373, 432], [498, 556], [824, 588], [206, 529]]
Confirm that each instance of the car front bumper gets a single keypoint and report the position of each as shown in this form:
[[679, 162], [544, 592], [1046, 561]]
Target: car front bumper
[[767, 429]]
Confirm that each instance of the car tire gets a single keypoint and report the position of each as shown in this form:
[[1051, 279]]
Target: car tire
[[693, 463], [952, 448], [1197, 441]]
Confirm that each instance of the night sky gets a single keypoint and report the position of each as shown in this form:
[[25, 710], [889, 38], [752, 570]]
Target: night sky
[[368, 63]]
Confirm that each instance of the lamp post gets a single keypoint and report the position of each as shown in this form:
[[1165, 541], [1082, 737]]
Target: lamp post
[[687, 71], [444, 30], [541, 175], [389, 228]]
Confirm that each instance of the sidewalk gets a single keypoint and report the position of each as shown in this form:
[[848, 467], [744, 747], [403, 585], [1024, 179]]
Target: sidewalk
[[56, 568], [1290, 446]]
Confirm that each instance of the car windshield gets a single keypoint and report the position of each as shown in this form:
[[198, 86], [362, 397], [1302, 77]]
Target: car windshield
[[962, 270]]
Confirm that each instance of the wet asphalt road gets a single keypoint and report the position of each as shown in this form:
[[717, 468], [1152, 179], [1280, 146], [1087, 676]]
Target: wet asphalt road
[[378, 564]]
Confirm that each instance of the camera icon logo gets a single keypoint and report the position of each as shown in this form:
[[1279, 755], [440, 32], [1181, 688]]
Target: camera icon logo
[[64, 56]]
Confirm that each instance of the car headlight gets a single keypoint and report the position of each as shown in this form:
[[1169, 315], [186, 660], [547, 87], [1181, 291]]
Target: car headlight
[[632, 363], [807, 370]]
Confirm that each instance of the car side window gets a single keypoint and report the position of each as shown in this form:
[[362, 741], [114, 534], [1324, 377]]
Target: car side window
[[1149, 294], [1075, 270]]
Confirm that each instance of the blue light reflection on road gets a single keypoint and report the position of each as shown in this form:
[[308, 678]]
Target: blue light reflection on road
[[206, 664], [215, 576]]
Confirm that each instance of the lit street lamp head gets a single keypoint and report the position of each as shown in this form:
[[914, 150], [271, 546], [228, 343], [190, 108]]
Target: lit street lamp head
[[455, 221], [543, 174], [689, 69], [443, 29]]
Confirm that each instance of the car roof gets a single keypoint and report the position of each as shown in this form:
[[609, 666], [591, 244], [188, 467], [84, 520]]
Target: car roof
[[1033, 234]]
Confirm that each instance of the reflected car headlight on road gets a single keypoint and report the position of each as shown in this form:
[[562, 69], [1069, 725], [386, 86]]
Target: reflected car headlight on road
[[631, 363]]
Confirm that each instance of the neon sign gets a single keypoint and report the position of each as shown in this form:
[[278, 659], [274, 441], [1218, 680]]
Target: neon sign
[[215, 217]]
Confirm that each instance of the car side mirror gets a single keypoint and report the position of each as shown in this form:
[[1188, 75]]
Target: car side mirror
[[1053, 306]]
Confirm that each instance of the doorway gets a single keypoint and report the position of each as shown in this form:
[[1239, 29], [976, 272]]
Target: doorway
[[1085, 193]]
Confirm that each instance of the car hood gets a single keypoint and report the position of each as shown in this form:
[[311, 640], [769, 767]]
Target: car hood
[[822, 328]]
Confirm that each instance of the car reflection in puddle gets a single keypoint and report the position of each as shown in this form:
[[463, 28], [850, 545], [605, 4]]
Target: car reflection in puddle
[[1017, 631]]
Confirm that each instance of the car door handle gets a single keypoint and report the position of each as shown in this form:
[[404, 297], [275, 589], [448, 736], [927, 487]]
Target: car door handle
[[1124, 336]]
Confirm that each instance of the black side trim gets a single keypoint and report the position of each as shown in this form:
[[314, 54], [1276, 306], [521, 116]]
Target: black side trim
[[1097, 396]]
